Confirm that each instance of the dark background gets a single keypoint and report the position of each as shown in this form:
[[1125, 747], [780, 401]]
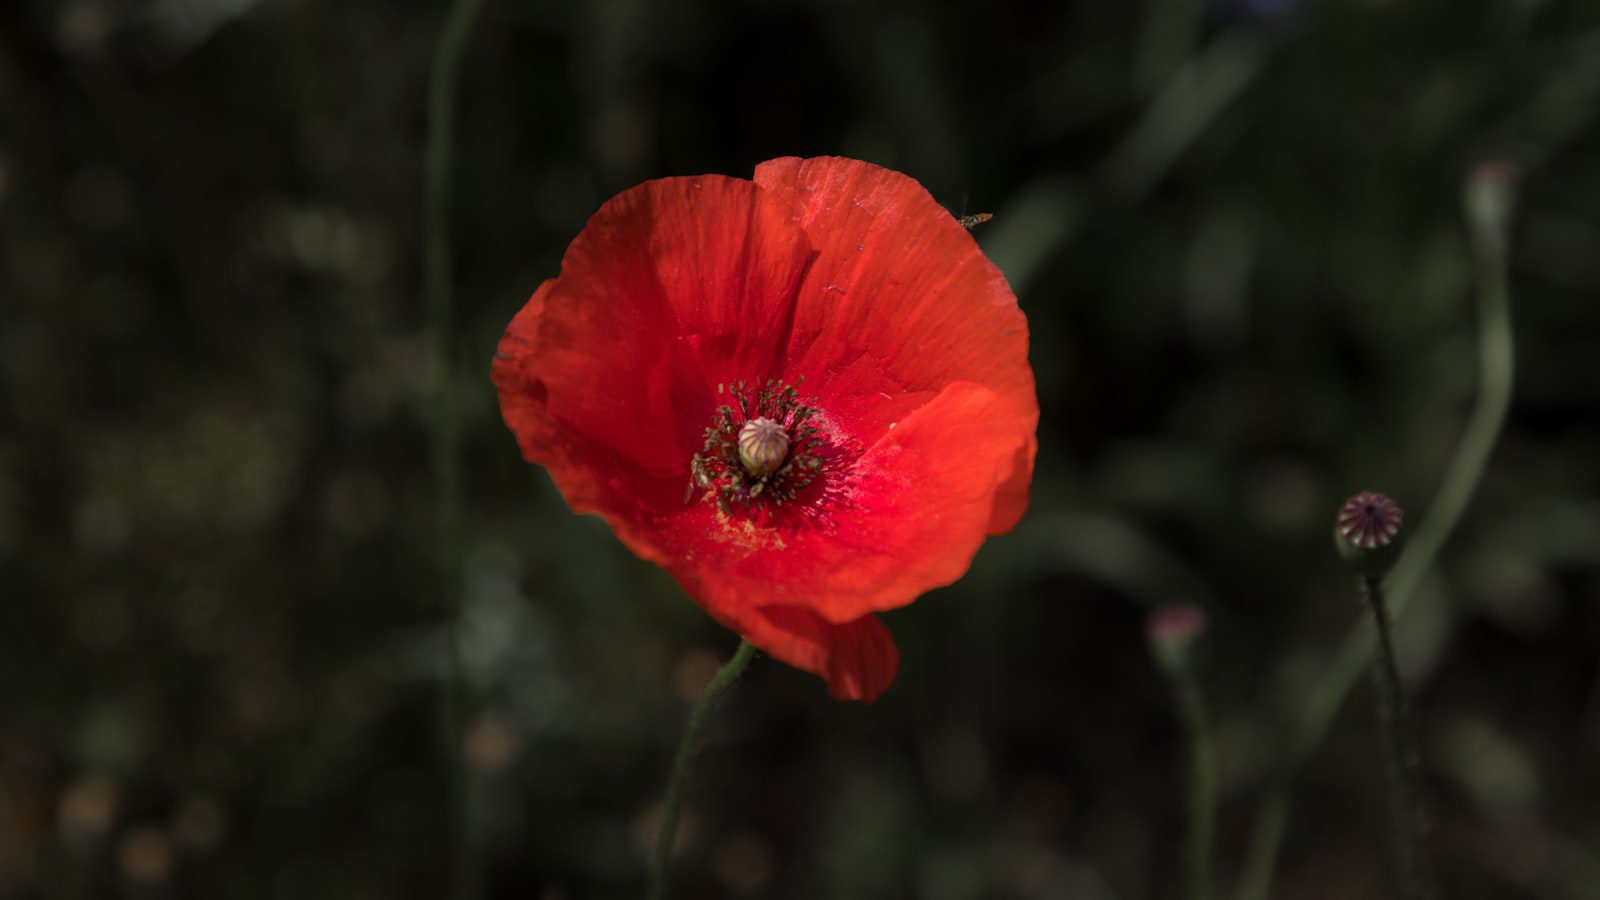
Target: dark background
[[1235, 228]]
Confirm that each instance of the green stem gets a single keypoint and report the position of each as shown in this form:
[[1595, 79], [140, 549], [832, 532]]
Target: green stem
[[444, 432], [1406, 812], [681, 764], [1202, 784], [1265, 840], [1488, 221]]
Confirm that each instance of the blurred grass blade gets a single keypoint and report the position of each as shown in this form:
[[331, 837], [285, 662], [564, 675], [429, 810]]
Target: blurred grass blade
[[1196, 95]]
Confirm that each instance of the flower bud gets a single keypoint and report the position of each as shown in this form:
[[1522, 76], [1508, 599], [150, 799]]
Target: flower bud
[[1173, 632], [1367, 533], [1490, 195]]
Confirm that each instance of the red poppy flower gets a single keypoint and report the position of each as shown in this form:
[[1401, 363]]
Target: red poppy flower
[[806, 396]]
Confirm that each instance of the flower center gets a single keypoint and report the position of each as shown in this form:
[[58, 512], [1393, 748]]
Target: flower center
[[761, 448]]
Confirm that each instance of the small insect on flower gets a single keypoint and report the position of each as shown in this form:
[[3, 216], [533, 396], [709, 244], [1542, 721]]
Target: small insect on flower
[[806, 395]]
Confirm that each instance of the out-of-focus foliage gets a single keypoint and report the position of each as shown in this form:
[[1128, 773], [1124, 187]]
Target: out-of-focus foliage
[[1235, 229]]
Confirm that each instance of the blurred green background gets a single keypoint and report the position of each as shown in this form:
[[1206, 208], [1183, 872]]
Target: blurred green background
[[1235, 228]]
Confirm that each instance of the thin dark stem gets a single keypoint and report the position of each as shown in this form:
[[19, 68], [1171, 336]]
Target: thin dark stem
[[1496, 372], [681, 764], [1202, 785], [444, 432], [436, 252], [1400, 753]]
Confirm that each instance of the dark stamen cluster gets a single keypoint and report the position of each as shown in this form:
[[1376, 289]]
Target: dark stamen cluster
[[717, 466]]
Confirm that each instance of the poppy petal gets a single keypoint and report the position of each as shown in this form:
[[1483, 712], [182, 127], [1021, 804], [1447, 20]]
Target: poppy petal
[[900, 299], [858, 659], [604, 374], [1011, 498], [912, 520]]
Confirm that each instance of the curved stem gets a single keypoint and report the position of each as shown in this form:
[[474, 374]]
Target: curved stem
[[1202, 785], [444, 439], [1489, 201], [681, 763], [1399, 753]]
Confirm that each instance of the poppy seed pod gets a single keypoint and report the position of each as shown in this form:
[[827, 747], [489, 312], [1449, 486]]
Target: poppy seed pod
[[763, 446], [1368, 533]]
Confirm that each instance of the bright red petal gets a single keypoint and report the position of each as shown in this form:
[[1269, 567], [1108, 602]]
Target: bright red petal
[[912, 520], [1011, 498], [900, 300], [858, 659], [608, 375]]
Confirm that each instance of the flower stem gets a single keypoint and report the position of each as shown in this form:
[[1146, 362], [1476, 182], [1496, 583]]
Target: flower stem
[[1409, 820], [1496, 369], [1202, 784], [1266, 837], [444, 432], [682, 761]]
